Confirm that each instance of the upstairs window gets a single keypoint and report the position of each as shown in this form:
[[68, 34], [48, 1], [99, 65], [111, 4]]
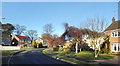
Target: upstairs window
[[119, 34], [115, 34], [22, 40]]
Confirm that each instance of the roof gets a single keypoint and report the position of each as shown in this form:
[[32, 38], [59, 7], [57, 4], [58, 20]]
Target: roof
[[113, 26], [23, 37]]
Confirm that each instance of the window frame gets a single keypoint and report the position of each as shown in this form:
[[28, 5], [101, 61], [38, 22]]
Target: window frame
[[115, 34]]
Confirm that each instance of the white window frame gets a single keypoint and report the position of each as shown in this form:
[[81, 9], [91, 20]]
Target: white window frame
[[113, 34], [118, 31], [119, 47], [113, 47]]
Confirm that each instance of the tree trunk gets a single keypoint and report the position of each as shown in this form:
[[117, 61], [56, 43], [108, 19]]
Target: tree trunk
[[80, 49], [76, 47], [96, 53]]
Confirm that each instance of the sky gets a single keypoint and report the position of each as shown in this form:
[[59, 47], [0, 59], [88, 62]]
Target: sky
[[34, 15]]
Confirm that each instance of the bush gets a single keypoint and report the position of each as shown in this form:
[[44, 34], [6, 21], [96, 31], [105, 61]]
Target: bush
[[55, 48], [40, 45], [84, 47], [44, 46], [60, 49]]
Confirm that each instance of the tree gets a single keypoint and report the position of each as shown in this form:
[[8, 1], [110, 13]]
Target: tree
[[48, 29], [47, 33], [107, 45], [34, 43], [56, 40], [75, 33], [32, 34], [47, 38], [97, 26], [19, 29], [7, 30]]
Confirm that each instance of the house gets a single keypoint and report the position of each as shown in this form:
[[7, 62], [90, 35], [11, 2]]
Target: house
[[113, 31], [22, 41], [39, 40]]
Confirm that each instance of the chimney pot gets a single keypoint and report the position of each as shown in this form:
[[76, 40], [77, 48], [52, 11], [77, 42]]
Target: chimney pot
[[113, 19]]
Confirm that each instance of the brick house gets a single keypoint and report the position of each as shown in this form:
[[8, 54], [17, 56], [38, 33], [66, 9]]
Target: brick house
[[22, 41], [113, 31], [39, 40]]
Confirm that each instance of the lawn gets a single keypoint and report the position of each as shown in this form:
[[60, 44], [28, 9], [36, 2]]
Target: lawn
[[55, 56], [9, 52], [86, 55], [15, 51]]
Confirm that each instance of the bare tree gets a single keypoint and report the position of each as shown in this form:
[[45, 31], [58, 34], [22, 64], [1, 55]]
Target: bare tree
[[97, 26], [32, 34], [66, 26], [19, 29], [48, 29]]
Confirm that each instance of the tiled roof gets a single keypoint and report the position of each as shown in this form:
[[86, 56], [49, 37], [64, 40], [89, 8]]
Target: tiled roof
[[23, 37], [113, 26]]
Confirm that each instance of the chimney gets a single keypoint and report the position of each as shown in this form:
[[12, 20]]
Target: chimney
[[113, 19]]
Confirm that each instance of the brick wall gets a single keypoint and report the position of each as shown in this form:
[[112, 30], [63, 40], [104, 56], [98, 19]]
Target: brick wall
[[113, 39]]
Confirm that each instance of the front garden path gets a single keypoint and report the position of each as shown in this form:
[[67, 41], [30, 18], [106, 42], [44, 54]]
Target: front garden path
[[116, 60]]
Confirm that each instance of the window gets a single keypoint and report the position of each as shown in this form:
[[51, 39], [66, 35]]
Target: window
[[112, 35], [115, 47], [112, 47], [115, 34], [119, 34], [118, 47], [22, 40]]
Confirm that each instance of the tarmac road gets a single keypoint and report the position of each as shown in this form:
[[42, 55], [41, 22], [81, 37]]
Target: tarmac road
[[31, 56]]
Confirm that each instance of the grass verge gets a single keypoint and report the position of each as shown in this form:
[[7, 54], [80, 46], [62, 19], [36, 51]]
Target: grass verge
[[86, 55], [15, 51], [67, 59], [7, 50]]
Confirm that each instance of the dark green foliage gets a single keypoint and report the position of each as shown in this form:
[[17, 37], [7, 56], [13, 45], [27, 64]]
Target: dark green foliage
[[55, 48], [72, 48], [107, 50], [40, 45], [84, 47]]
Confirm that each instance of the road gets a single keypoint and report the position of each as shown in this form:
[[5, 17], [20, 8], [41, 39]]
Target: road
[[32, 56]]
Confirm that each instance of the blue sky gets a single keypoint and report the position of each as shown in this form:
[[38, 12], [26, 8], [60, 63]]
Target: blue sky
[[34, 15]]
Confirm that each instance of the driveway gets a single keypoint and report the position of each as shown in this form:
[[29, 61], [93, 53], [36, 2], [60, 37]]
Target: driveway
[[31, 56]]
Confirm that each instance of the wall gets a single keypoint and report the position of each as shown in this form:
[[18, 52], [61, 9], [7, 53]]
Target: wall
[[9, 47]]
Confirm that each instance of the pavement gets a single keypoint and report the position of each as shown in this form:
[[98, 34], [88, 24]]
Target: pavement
[[73, 58], [30, 56], [114, 61]]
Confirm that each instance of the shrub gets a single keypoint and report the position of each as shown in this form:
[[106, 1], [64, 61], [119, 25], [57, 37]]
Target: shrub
[[55, 48], [40, 45], [44, 46], [60, 49], [84, 47]]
